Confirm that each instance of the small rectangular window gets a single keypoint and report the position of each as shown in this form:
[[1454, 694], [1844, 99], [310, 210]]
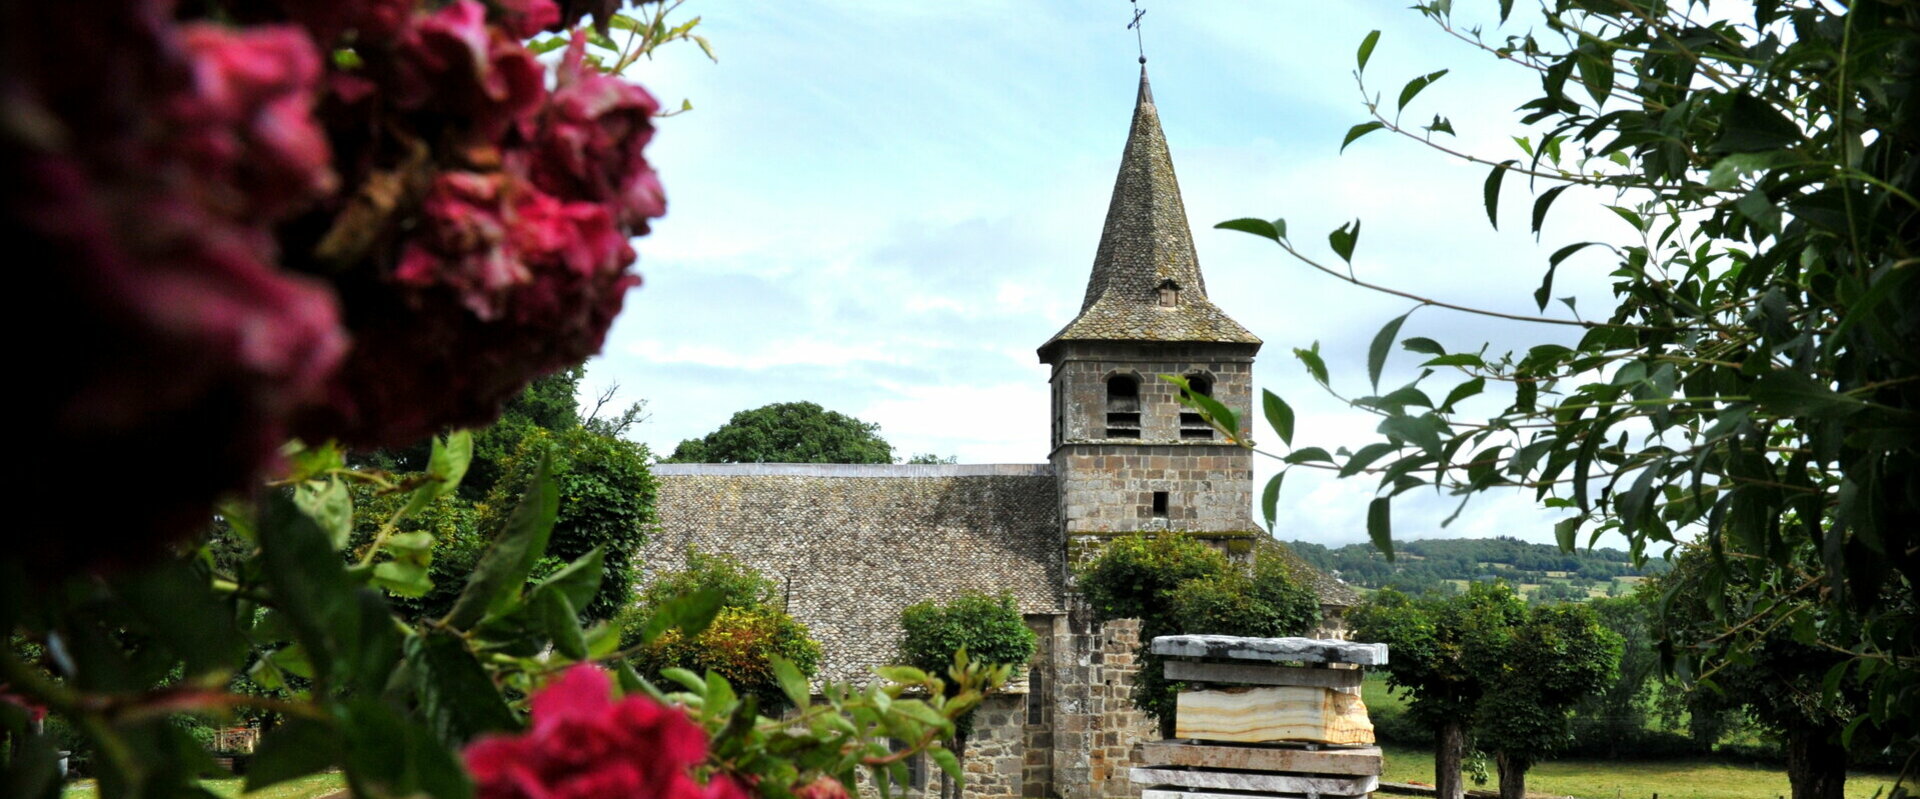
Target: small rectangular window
[[1160, 504]]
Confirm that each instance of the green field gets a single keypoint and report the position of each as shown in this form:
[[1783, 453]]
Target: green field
[[1691, 778], [312, 787], [1624, 779]]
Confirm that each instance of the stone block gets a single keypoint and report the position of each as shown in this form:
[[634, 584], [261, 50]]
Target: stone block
[[1364, 761], [1251, 674], [1296, 784], [1307, 650], [1265, 715]]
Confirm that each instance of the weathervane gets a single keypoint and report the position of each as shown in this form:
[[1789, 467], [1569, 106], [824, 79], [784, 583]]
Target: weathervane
[[1135, 27]]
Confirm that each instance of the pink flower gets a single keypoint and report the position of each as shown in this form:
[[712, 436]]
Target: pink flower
[[589, 139], [146, 198], [823, 788], [584, 745], [450, 62]]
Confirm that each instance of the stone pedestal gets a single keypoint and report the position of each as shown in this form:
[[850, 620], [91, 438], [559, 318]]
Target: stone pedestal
[[1261, 718]]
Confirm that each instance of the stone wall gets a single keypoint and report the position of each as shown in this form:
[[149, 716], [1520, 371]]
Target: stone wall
[[1095, 724], [1109, 488], [1080, 386]]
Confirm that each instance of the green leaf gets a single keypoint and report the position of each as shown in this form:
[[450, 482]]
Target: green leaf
[[1382, 343], [692, 681], [457, 698], [1415, 86], [330, 505], [949, 764], [295, 748], [1565, 530], [1366, 49], [1365, 457], [1752, 125], [449, 461], [497, 580], [1344, 238], [1424, 346], [1463, 391], [1279, 415], [792, 683], [579, 581], [1506, 8], [1553, 264], [1274, 231], [1490, 193], [1629, 216], [690, 614], [1422, 431], [402, 578], [1440, 125], [1315, 366], [1270, 499], [1359, 130], [562, 624], [1789, 393], [1541, 205], [1380, 525], [309, 580], [1308, 455]]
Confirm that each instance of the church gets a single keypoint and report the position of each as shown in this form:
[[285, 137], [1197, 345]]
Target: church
[[855, 544]]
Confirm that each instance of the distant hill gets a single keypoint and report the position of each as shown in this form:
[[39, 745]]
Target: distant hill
[[1542, 571]]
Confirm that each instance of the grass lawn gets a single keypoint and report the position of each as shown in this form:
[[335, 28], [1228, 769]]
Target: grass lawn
[[1623, 779], [312, 787]]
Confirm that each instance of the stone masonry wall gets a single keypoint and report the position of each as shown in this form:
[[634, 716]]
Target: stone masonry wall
[[1080, 386], [1109, 488]]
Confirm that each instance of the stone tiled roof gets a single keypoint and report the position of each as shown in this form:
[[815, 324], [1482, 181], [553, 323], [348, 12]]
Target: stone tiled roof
[[854, 545], [1146, 242]]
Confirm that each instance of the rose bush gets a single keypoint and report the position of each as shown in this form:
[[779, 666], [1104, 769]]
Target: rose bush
[[361, 220]]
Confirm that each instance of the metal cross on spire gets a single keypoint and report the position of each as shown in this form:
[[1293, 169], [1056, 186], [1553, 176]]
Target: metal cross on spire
[[1134, 26]]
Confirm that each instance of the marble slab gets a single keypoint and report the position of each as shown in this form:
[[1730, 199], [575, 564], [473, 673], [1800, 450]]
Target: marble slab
[[1308, 650], [1362, 761], [1280, 713], [1260, 674], [1262, 783]]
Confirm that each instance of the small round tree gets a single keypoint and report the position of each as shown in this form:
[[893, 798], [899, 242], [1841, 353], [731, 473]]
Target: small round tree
[[988, 628], [606, 501]]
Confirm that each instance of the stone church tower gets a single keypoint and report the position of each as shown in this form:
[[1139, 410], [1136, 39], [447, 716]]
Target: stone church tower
[[1126, 454], [854, 544]]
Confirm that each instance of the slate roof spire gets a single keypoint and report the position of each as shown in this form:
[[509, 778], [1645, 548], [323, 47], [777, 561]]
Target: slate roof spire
[[1145, 249]]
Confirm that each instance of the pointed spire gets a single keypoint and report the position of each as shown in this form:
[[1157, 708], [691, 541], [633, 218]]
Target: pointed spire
[[1146, 251]]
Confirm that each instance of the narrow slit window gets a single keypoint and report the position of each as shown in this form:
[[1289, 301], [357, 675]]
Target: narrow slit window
[[1160, 504], [1036, 696]]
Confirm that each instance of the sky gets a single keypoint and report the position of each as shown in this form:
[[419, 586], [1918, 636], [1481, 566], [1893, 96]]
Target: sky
[[885, 207]]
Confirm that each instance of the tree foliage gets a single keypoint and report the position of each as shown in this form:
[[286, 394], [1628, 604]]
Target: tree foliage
[[788, 432], [607, 503], [1175, 584], [749, 633], [1755, 382], [989, 629], [1484, 664]]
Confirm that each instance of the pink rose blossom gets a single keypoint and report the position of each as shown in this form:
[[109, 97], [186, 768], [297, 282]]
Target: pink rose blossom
[[584, 745]]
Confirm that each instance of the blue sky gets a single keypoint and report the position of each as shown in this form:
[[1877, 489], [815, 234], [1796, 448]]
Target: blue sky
[[885, 207]]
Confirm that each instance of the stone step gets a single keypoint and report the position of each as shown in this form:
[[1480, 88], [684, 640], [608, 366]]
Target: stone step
[[1161, 778], [1252, 674], [1306, 650], [1283, 713], [1362, 761]]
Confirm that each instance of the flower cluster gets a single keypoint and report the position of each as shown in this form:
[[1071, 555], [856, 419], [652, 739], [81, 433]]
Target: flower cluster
[[364, 220], [584, 745]]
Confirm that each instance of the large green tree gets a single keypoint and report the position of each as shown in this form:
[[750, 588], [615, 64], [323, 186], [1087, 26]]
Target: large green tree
[[1539, 670], [1798, 680], [1437, 646], [1755, 382], [988, 629], [788, 432]]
